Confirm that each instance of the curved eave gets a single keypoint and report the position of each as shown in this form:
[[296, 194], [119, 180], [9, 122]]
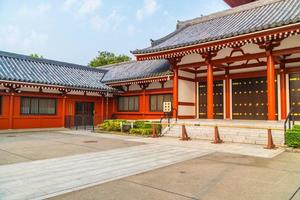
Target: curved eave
[[257, 32]]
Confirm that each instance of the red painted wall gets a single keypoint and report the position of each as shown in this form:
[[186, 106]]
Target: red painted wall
[[144, 107], [47, 121]]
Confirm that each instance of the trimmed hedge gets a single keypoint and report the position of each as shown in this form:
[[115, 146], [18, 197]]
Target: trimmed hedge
[[293, 137], [141, 131], [112, 125], [139, 127]]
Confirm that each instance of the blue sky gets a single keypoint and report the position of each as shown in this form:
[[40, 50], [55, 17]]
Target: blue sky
[[74, 30]]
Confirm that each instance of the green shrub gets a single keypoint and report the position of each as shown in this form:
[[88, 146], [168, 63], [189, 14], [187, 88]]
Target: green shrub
[[142, 124], [296, 127], [293, 137], [141, 131], [112, 125]]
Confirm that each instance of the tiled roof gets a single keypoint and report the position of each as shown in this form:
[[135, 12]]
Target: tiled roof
[[21, 68], [257, 16], [133, 70]]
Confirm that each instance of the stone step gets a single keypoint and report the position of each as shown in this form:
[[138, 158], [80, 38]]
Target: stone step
[[229, 134]]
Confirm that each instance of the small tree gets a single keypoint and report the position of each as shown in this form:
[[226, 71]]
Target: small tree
[[106, 58], [35, 55]]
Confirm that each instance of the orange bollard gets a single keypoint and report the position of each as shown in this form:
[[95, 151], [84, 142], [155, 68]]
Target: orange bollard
[[270, 144], [217, 139], [184, 135], [154, 131]]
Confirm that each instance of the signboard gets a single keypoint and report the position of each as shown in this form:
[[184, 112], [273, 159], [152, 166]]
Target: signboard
[[167, 107]]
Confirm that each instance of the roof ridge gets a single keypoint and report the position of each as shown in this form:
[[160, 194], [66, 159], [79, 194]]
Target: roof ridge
[[227, 12], [49, 61]]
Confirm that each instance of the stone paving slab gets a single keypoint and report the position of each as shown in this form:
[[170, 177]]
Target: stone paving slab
[[46, 178], [235, 148]]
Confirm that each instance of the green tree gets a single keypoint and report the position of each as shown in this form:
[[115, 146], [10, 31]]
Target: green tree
[[35, 55], [106, 58]]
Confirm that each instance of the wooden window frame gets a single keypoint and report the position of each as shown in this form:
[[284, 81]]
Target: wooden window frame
[[127, 110], [38, 114], [156, 95]]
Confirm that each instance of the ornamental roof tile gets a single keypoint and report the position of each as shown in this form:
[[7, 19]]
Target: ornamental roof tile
[[257, 16], [21, 68]]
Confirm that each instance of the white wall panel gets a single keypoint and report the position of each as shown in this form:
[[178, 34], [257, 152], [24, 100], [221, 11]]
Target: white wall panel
[[186, 110], [186, 91]]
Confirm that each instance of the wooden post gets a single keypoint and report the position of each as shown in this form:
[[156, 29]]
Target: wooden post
[[271, 86], [63, 115], [282, 92], [11, 110], [227, 95], [175, 91], [210, 92]]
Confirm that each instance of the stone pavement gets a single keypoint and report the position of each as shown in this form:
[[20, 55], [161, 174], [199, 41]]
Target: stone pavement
[[236, 148], [46, 178]]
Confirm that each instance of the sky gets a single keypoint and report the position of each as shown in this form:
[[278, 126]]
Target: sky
[[75, 30]]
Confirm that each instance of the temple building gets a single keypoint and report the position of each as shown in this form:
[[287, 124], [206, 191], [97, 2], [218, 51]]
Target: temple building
[[239, 64]]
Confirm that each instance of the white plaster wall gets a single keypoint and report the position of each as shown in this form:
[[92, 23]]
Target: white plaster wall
[[186, 91], [186, 74], [94, 94], [252, 48], [51, 91], [169, 84], [134, 87], [76, 93], [186, 110], [223, 53], [290, 42], [26, 89], [154, 85], [191, 58]]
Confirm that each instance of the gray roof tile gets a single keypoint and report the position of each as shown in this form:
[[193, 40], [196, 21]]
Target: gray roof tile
[[16, 67], [133, 70], [252, 17]]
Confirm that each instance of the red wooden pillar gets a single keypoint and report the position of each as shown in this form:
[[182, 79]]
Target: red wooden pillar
[[210, 92], [11, 110], [102, 107], [175, 91], [63, 115], [227, 95], [282, 91], [271, 86]]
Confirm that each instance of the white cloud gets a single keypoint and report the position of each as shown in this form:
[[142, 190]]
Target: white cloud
[[36, 11], [14, 38], [149, 8], [89, 6], [82, 6], [110, 22]]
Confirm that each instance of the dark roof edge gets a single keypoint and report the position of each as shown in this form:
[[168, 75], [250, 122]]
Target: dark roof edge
[[49, 61], [156, 75], [109, 89]]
